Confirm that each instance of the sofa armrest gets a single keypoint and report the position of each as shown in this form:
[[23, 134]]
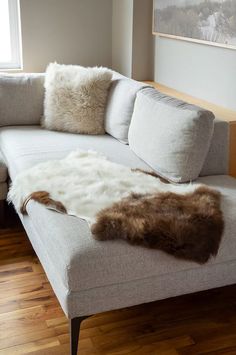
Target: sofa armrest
[[21, 99]]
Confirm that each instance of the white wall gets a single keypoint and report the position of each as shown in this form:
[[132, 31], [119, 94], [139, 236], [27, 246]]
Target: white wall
[[66, 31], [143, 41], [132, 42], [122, 36], [81, 32], [202, 71]]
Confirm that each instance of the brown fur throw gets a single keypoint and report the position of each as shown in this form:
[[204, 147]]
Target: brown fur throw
[[44, 198], [152, 173], [187, 226], [183, 220]]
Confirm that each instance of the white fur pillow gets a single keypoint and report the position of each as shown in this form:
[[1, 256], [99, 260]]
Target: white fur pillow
[[75, 98]]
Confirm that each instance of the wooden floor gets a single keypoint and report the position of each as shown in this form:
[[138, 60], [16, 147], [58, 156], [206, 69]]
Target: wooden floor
[[32, 322]]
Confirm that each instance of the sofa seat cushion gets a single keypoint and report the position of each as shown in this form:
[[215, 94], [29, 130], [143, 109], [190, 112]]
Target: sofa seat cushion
[[3, 169], [83, 263], [26, 146]]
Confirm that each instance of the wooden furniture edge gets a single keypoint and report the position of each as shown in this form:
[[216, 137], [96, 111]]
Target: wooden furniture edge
[[219, 112], [232, 149]]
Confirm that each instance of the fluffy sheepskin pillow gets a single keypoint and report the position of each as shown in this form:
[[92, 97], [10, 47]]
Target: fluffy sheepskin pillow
[[75, 98]]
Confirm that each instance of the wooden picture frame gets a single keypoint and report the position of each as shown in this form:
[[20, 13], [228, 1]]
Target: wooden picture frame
[[165, 5]]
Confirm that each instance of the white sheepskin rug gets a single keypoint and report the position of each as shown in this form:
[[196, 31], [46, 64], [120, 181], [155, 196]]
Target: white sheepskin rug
[[85, 182], [75, 98]]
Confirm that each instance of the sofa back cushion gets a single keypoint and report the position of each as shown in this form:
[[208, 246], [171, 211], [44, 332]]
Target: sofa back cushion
[[120, 106], [171, 136], [21, 99]]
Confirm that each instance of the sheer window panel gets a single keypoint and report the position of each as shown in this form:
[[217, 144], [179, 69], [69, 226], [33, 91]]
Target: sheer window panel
[[10, 35]]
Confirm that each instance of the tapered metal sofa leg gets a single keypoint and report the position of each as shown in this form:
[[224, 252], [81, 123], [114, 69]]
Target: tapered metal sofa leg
[[75, 324]]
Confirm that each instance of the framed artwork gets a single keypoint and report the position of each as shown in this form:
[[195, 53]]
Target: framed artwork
[[203, 21]]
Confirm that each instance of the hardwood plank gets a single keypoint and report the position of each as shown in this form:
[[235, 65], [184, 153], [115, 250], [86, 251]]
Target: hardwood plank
[[26, 338], [225, 351], [55, 350], [210, 345], [169, 346], [32, 346]]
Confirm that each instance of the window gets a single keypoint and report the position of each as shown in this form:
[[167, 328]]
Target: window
[[10, 49]]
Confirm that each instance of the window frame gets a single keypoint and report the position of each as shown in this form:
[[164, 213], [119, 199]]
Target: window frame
[[15, 37]]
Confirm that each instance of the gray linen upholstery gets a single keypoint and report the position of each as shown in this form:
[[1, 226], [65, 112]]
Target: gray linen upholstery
[[90, 276], [21, 99], [3, 169], [170, 135], [120, 106]]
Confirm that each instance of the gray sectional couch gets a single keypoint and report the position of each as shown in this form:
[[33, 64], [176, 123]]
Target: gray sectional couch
[[89, 276]]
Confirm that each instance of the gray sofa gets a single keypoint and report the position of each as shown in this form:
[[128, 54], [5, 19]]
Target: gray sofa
[[89, 276]]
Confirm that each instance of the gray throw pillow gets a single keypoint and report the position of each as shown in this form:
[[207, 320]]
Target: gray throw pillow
[[170, 135], [21, 99]]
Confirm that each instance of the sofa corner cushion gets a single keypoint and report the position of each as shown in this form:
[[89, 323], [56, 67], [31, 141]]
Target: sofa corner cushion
[[170, 135], [21, 99], [120, 106]]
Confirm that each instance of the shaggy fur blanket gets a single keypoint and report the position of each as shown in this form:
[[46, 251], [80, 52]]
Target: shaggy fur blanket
[[183, 220]]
